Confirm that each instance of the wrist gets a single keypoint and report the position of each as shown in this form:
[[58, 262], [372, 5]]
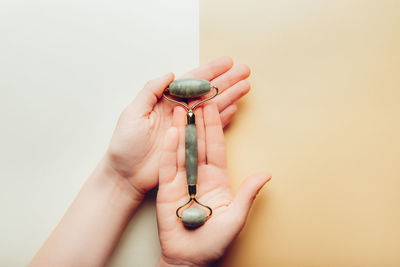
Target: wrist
[[118, 188], [165, 262]]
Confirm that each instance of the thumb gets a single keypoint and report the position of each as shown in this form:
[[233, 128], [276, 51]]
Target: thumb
[[247, 193], [152, 91]]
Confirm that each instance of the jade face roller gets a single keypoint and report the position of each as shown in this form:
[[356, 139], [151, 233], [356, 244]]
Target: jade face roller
[[186, 89]]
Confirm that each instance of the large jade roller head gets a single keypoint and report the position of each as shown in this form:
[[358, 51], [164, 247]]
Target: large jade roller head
[[185, 89]]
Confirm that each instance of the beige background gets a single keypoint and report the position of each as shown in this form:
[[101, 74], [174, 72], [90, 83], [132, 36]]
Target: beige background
[[323, 118]]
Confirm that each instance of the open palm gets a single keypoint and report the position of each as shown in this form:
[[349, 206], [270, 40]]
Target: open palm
[[136, 144], [182, 246]]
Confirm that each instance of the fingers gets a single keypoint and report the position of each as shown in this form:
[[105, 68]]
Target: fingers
[[168, 160], [179, 121], [220, 71], [227, 115], [215, 145], [231, 77], [201, 135], [229, 80], [212, 69], [231, 95], [152, 91], [247, 193]]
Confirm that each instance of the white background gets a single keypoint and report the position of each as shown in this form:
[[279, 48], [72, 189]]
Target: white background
[[67, 69]]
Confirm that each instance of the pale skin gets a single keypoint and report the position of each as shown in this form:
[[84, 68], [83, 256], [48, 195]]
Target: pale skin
[[200, 247], [95, 221]]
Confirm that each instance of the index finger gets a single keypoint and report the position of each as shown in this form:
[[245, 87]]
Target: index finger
[[211, 70]]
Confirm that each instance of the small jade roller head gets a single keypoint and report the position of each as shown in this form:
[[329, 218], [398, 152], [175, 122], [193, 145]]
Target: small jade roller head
[[193, 217], [187, 88]]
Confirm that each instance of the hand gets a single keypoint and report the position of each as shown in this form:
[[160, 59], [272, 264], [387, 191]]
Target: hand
[[136, 144], [181, 246]]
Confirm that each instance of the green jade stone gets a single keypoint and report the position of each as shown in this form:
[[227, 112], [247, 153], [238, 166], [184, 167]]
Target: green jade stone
[[189, 87], [193, 217], [191, 154]]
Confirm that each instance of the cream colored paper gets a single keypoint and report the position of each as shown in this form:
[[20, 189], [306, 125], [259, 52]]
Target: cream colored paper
[[323, 116]]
